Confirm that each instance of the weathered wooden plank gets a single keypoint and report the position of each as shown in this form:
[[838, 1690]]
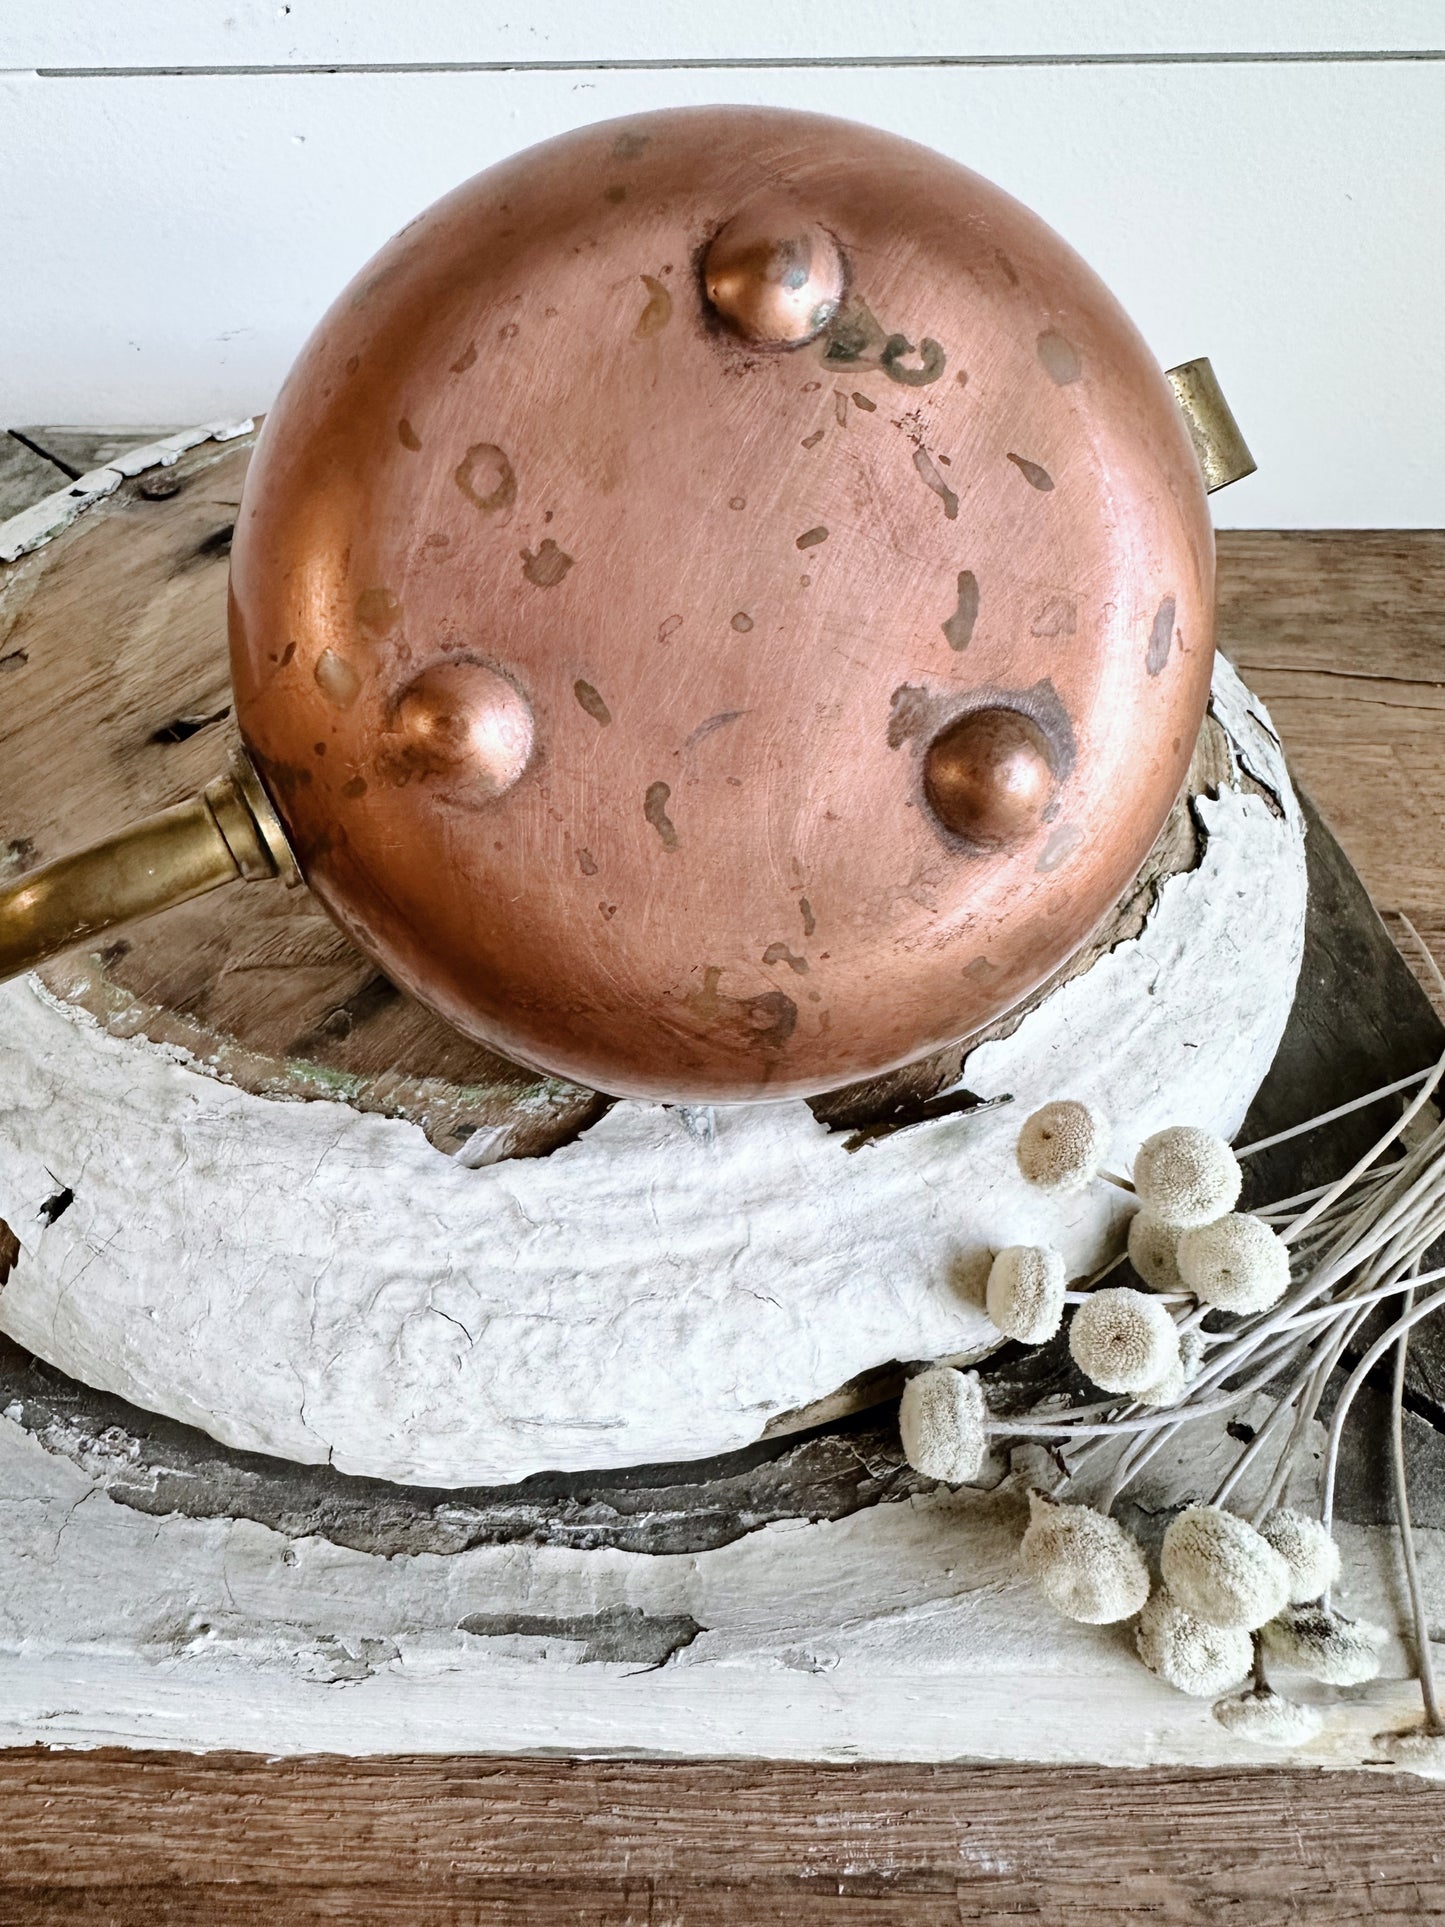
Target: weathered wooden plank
[[78, 450], [25, 476], [1343, 635], [233, 1839]]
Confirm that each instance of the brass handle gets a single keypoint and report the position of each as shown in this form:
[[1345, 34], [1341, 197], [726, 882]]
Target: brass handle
[[227, 832], [1223, 452]]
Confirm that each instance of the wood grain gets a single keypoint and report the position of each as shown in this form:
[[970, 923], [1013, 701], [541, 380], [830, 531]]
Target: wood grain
[[1341, 634], [114, 1838]]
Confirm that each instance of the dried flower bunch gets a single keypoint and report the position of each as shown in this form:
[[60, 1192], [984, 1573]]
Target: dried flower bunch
[[1236, 1305]]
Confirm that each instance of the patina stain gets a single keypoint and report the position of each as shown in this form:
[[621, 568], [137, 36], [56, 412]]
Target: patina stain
[[591, 700], [658, 312], [1161, 637], [545, 566], [958, 629], [487, 479], [1059, 358], [923, 462], [1033, 473], [654, 808]]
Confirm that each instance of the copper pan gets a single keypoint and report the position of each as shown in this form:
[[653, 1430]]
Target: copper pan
[[722, 606]]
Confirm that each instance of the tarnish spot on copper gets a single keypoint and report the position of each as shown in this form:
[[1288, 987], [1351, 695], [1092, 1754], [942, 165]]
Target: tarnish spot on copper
[[737, 502], [769, 1019], [930, 355], [587, 863], [378, 610], [810, 538], [777, 953], [668, 628], [810, 922], [1036, 476], [658, 312], [1060, 358], [354, 786], [487, 479], [407, 435], [465, 359], [720, 721], [959, 627], [592, 702], [930, 476], [654, 808], [860, 400], [1057, 617], [615, 195], [545, 566], [627, 147], [1060, 847], [336, 679], [1160, 637], [812, 441], [742, 622], [979, 968], [840, 408]]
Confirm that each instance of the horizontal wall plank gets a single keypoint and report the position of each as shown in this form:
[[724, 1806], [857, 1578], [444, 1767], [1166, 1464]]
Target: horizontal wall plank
[[171, 241], [234, 1839], [130, 34]]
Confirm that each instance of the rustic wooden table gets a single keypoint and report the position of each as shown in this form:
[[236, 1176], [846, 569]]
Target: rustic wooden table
[[1341, 635]]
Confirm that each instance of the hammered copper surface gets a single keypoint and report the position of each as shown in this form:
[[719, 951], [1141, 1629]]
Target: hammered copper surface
[[729, 598]]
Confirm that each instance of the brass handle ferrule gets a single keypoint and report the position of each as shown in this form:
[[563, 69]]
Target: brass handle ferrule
[[1223, 453], [227, 832]]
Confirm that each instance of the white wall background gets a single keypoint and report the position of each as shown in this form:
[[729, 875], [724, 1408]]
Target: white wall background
[[185, 184]]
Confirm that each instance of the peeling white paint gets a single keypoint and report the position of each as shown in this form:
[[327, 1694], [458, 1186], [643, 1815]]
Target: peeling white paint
[[901, 1633], [34, 526]]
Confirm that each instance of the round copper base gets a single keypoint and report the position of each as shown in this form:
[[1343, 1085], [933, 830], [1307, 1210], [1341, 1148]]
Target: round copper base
[[602, 652]]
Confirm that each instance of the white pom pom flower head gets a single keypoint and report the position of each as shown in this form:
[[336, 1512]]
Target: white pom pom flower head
[[1324, 1645], [1223, 1571], [941, 1417], [1187, 1652], [1186, 1176], [1124, 1340], [1084, 1563], [1025, 1296], [1154, 1251], [1307, 1549], [1235, 1264], [1268, 1718], [1062, 1146]]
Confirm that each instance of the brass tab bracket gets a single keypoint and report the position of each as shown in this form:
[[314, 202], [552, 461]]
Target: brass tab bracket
[[1222, 451], [228, 832]]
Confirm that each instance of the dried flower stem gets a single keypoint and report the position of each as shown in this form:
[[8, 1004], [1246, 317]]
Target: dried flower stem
[[1424, 1658]]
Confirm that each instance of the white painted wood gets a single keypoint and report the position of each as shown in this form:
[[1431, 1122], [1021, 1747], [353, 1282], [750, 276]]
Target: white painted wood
[[901, 1633], [169, 242], [35, 525], [226, 33], [127, 34], [309, 1281]]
